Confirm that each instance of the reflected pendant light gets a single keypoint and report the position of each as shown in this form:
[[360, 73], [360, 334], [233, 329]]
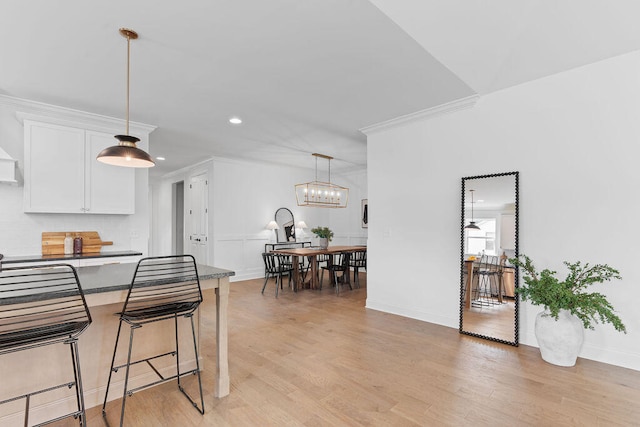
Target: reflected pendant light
[[472, 224], [322, 194], [126, 153]]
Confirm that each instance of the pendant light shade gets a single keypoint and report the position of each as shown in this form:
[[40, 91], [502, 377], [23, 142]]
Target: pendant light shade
[[472, 224], [322, 194], [126, 153]]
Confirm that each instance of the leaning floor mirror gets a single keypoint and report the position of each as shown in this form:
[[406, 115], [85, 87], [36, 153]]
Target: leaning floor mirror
[[488, 239]]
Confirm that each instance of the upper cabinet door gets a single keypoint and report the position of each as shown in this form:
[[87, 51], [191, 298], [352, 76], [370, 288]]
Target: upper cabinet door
[[109, 189], [54, 168], [62, 174]]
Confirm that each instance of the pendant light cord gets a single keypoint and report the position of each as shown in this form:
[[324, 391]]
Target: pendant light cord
[[128, 72], [471, 205]]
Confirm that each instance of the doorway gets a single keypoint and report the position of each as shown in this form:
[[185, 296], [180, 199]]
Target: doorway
[[177, 196], [198, 217]]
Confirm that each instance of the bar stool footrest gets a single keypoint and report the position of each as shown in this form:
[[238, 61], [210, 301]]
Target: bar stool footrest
[[75, 414], [169, 353], [44, 390], [160, 381], [27, 396]]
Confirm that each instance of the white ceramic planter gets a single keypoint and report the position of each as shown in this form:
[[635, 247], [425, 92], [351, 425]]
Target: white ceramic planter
[[560, 340], [324, 243]]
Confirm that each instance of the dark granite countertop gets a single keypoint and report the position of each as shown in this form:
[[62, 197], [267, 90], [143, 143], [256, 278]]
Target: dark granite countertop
[[63, 258], [117, 277]]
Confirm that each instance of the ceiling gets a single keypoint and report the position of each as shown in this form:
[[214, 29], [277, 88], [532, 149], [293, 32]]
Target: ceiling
[[304, 76]]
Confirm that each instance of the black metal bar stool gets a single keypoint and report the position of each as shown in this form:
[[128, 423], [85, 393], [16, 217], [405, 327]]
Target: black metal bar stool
[[40, 306], [162, 288]]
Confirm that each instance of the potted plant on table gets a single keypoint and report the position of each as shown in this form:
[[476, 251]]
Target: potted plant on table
[[568, 308], [325, 235]]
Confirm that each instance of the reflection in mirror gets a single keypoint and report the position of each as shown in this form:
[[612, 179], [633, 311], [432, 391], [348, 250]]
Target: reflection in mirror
[[489, 237], [287, 230]]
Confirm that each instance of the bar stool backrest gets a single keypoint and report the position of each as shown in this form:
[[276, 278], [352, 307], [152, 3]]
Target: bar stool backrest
[[339, 261], [40, 305], [270, 262], [163, 286]]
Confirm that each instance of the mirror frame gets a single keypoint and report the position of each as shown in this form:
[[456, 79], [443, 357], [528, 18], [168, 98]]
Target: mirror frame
[[516, 174], [281, 229]]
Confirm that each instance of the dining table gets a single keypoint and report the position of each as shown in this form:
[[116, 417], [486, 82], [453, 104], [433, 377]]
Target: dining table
[[312, 255]]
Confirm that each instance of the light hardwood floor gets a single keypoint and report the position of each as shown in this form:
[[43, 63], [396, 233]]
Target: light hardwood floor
[[316, 359]]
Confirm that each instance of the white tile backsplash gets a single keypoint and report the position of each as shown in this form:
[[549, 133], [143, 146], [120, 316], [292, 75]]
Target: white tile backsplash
[[21, 234]]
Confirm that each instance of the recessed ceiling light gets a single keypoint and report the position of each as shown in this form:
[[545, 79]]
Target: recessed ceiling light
[[480, 201], [235, 120], [160, 158]]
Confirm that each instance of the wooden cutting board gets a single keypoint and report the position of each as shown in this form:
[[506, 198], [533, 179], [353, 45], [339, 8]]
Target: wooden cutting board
[[53, 242]]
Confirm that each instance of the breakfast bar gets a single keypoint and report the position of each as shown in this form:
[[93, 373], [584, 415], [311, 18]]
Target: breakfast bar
[[105, 288]]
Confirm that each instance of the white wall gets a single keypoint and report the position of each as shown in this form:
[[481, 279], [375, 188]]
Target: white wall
[[21, 234], [574, 137], [243, 198]]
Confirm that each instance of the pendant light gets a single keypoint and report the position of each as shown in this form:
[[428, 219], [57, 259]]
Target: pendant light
[[472, 224], [322, 194], [126, 153]]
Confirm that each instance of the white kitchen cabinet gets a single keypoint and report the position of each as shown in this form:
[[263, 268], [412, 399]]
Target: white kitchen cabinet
[[508, 231], [62, 174], [109, 189]]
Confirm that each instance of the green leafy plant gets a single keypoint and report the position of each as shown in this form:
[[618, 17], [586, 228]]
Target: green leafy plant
[[545, 289], [323, 232]]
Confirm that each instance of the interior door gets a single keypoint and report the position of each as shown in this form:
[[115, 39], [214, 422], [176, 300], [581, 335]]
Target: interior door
[[198, 217]]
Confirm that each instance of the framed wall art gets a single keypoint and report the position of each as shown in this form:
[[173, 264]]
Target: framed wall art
[[364, 213]]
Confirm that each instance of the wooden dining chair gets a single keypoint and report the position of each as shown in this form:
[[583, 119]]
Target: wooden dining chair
[[276, 266], [338, 263], [358, 260]]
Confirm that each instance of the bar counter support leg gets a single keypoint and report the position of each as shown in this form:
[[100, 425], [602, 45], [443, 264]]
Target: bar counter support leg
[[222, 350]]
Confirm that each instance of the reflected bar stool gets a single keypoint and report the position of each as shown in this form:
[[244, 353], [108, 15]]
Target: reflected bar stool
[[487, 282], [40, 306], [163, 288]]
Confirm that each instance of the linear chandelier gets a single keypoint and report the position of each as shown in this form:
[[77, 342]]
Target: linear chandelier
[[322, 194], [126, 153]]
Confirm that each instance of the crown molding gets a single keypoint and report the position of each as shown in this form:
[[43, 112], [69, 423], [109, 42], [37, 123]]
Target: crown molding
[[429, 113], [40, 111]]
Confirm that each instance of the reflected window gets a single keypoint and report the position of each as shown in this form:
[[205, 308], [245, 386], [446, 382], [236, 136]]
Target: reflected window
[[483, 240]]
